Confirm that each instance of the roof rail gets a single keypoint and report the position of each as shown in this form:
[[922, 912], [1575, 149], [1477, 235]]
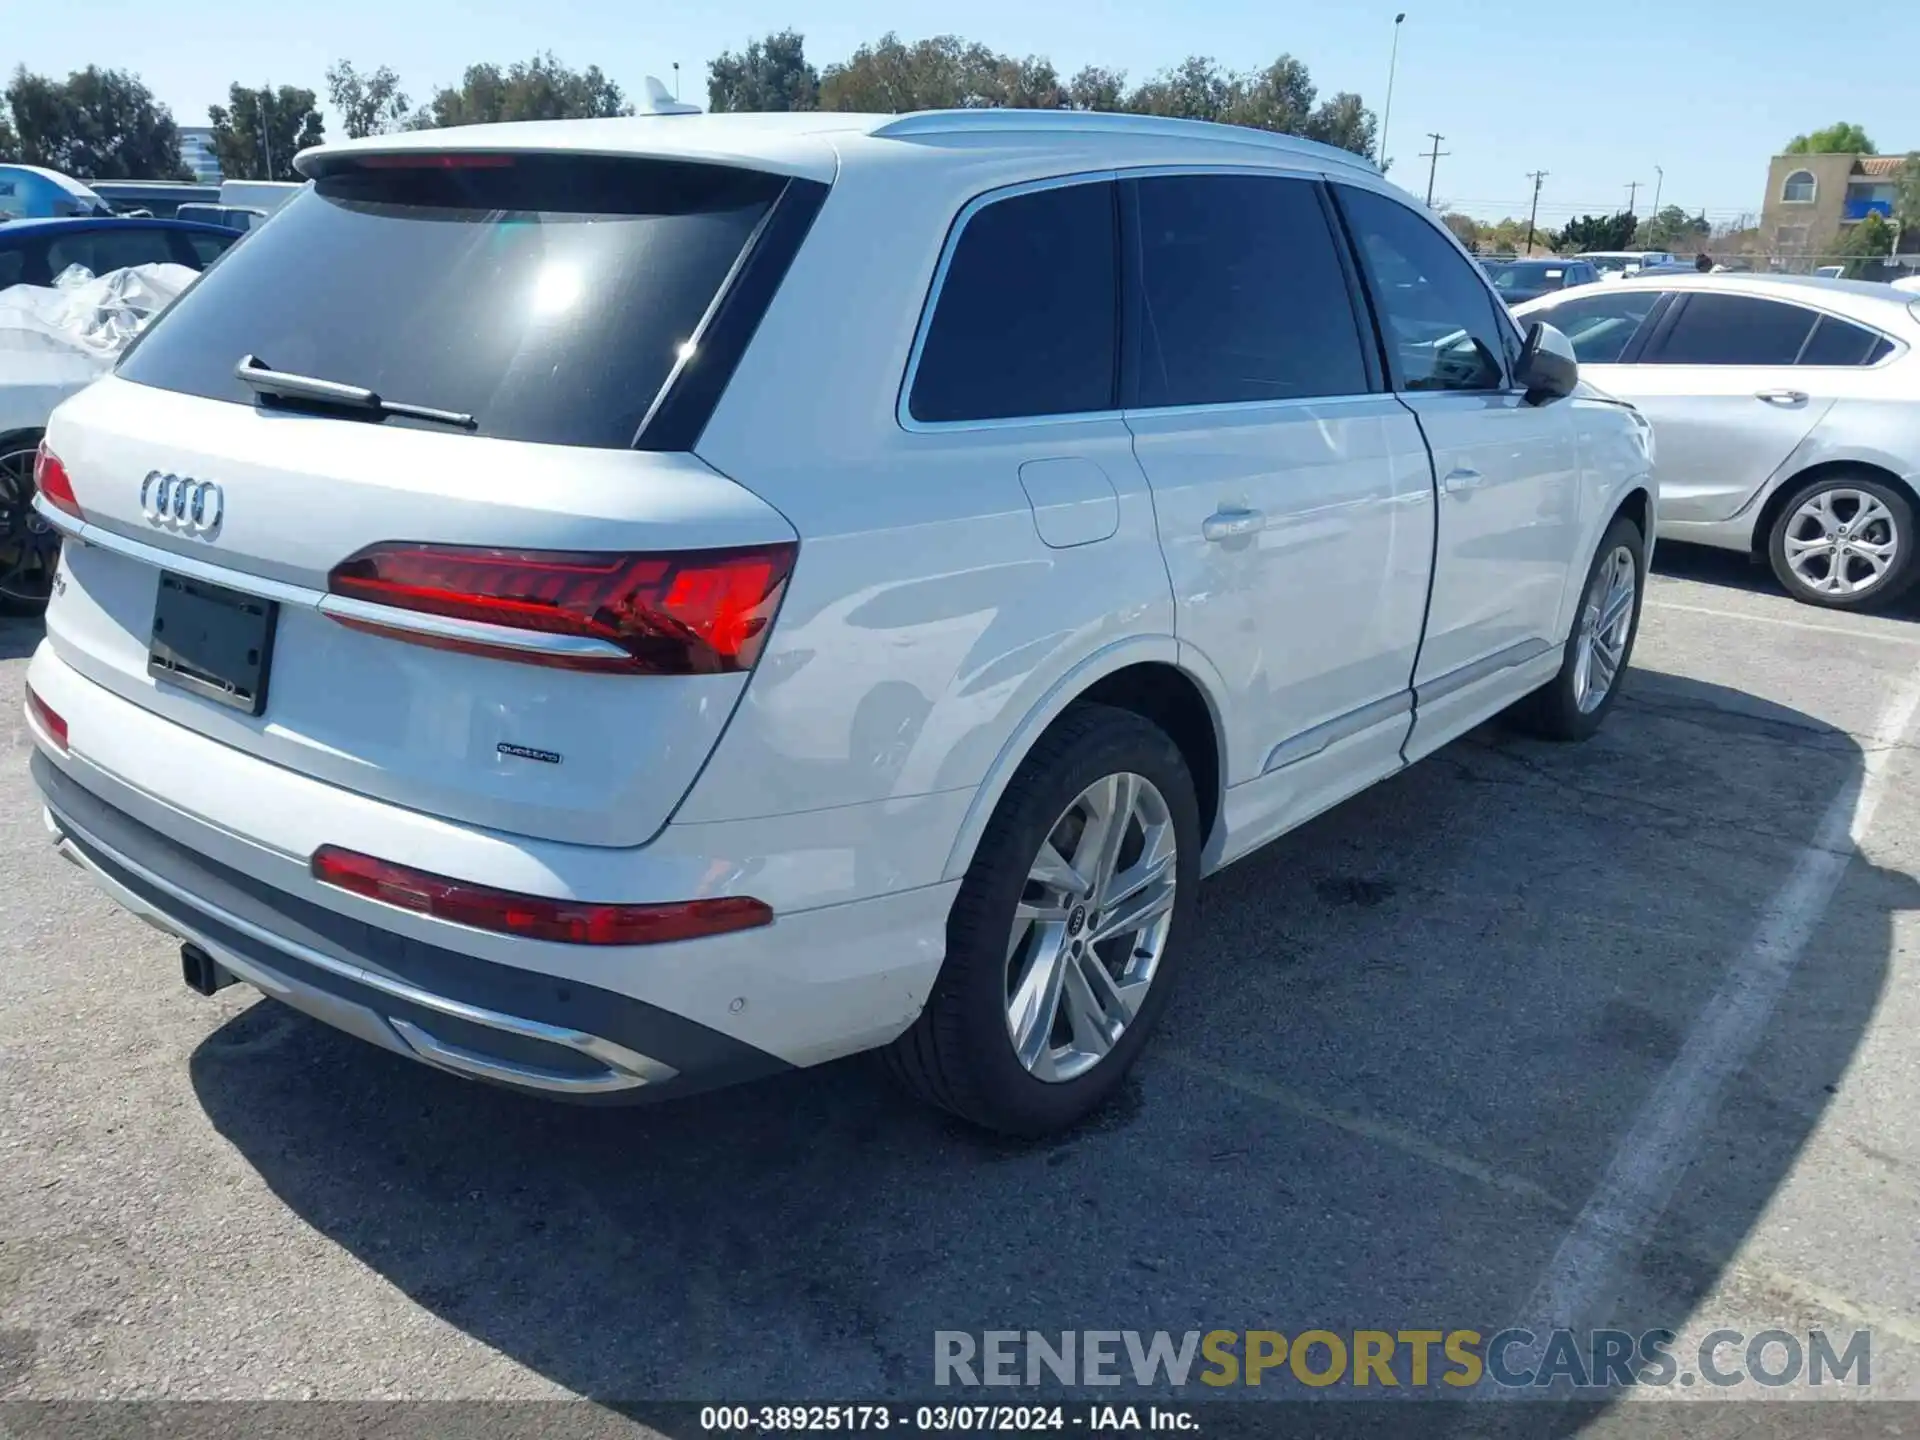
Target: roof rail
[[1110, 122]]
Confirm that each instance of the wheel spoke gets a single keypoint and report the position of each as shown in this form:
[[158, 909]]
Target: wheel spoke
[[1035, 1004], [1141, 909], [1094, 1027], [1619, 606], [1098, 854], [1051, 869]]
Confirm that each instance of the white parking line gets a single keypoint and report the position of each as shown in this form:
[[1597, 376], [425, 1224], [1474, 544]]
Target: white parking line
[[1785, 623], [1587, 1268]]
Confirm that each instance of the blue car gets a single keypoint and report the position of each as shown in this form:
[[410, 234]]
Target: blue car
[[33, 252]]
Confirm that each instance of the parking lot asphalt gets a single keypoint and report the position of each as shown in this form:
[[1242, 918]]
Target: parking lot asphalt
[[1606, 1034]]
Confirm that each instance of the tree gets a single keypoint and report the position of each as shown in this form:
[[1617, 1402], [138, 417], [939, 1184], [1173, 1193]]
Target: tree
[[537, 89], [257, 133], [1195, 89], [1906, 200], [1591, 232], [941, 73], [770, 74], [94, 125], [1673, 229], [1841, 138], [368, 104], [1345, 122], [1465, 228], [1095, 88], [1278, 98], [9, 142], [1867, 245]]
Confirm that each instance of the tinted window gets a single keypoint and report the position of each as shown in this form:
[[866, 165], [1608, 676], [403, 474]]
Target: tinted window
[[13, 266], [104, 250], [207, 248], [1600, 326], [1836, 342], [1438, 315], [1026, 321], [1242, 296], [1734, 330], [548, 296]]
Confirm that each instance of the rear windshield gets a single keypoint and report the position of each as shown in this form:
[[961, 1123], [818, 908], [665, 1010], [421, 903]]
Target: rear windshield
[[547, 296]]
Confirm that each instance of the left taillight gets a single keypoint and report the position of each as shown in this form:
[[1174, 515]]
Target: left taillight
[[50, 478], [537, 917], [48, 719], [696, 612]]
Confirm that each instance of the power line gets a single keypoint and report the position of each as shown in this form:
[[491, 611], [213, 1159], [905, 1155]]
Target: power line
[[1432, 158]]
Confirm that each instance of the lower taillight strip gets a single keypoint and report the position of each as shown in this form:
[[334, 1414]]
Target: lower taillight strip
[[473, 632]]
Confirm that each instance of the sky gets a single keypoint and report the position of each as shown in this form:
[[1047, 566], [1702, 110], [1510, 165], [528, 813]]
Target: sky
[[1689, 96]]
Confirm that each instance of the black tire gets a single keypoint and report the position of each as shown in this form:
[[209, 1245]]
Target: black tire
[[25, 575], [959, 1054], [1554, 712], [1897, 529]]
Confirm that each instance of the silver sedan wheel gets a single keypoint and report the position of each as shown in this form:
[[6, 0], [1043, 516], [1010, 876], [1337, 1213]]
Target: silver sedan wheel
[[1090, 927], [1842, 542], [1606, 623]]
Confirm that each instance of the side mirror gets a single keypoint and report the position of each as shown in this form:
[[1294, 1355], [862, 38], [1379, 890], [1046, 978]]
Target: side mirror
[[1548, 369]]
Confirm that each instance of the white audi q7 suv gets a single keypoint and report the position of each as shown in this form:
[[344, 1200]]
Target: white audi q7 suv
[[615, 607]]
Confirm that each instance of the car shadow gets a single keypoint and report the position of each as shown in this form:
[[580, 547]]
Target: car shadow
[[19, 636], [1502, 947], [1731, 570]]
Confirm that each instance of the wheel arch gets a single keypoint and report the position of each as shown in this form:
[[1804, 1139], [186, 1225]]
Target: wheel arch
[[1782, 493], [31, 434], [1144, 675]]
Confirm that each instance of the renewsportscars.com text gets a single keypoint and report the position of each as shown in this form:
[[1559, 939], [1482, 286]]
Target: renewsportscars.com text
[[1399, 1359]]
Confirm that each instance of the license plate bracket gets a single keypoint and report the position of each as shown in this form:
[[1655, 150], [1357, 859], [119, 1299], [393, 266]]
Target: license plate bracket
[[212, 640]]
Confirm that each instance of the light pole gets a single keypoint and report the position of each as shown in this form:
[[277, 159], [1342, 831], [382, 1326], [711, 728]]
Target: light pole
[[1659, 179], [676, 79], [1386, 112]]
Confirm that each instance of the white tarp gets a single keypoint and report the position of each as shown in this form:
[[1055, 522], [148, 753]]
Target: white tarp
[[56, 338], [87, 315]]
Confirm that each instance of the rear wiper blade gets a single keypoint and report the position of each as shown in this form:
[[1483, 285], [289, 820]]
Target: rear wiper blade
[[255, 373]]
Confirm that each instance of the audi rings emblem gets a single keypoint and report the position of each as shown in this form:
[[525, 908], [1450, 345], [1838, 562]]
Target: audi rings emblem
[[179, 502]]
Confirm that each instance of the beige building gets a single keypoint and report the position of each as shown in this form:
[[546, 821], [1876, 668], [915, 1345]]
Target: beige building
[[1813, 199]]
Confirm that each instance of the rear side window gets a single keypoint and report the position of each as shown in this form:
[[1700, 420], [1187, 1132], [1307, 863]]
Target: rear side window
[[1734, 330], [205, 248], [1242, 296], [548, 296], [1026, 322], [13, 266], [1602, 326], [104, 250], [1840, 342], [1441, 325]]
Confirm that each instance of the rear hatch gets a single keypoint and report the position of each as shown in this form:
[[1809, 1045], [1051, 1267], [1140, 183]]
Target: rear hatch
[[455, 584]]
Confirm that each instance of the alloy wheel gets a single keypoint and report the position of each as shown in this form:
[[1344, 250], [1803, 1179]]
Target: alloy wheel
[[1842, 542], [1606, 624], [29, 546], [1091, 927]]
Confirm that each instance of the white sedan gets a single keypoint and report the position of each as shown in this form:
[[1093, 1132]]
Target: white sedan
[[1786, 412]]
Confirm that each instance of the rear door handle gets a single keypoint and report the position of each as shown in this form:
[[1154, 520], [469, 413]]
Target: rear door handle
[[1225, 524], [1462, 478], [1782, 397]]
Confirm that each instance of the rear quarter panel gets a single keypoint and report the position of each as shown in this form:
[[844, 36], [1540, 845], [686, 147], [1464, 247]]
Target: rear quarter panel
[[927, 623]]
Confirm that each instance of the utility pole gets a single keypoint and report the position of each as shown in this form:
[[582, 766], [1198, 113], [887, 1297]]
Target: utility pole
[[1433, 162], [1660, 179], [1633, 189], [1536, 176]]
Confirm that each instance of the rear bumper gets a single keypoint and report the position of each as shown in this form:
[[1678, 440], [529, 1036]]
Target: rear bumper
[[488, 1021], [211, 844]]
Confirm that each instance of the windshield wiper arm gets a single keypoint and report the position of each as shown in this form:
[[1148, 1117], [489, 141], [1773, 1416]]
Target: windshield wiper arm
[[255, 373]]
